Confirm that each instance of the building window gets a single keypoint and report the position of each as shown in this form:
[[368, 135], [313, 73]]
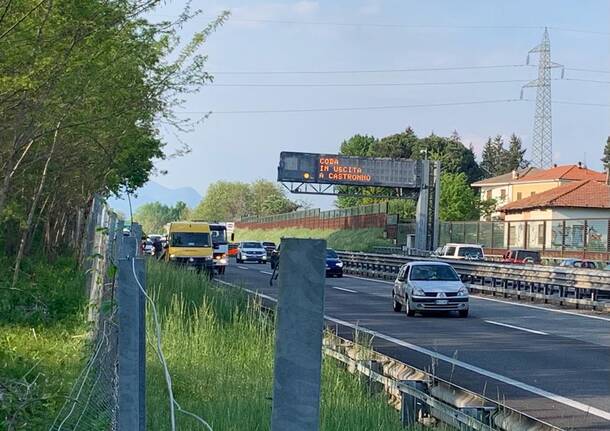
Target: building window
[[532, 193], [488, 195], [519, 195], [502, 194]]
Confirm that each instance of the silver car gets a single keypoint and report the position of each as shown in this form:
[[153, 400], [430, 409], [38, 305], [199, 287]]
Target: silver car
[[429, 286], [251, 251]]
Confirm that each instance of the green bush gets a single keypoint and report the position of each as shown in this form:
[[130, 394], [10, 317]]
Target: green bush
[[44, 340], [339, 239]]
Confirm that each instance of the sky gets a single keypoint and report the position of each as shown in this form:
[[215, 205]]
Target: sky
[[388, 37]]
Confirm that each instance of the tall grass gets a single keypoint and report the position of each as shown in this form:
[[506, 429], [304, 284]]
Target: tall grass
[[43, 338], [219, 347], [340, 239]]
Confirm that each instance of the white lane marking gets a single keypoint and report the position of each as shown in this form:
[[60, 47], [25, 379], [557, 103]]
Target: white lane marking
[[253, 292], [242, 267], [344, 289], [516, 327], [536, 307], [369, 279], [554, 310], [507, 380], [266, 272]]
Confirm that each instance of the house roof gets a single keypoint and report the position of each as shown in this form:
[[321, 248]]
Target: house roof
[[506, 178], [576, 194], [564, 172]]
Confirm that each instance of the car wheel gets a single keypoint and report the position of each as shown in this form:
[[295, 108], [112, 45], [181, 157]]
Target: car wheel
[[340, 275], [463, 313], [272, 265], [408, 310], [396, 306]]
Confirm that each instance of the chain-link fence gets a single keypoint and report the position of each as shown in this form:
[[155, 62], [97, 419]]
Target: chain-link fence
[[93, 401]]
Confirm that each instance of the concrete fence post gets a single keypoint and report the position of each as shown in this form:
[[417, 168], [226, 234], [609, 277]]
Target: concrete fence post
[[298, 339], [132, 340]]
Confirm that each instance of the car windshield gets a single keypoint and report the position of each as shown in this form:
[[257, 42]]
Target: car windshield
[[473, 252], [269, 244], [252, 245], [190, 239], [219, 235], [331, 254], [528, 254], [433, 273]]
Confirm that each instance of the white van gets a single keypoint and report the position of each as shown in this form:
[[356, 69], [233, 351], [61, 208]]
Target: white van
[[461, 251]]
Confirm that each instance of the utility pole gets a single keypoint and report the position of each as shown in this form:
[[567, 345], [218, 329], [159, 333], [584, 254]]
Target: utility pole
[[542, 142]]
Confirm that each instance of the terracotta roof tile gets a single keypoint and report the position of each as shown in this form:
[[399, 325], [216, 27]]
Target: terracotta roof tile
[[577, 194], [506, 178], [566, 172]]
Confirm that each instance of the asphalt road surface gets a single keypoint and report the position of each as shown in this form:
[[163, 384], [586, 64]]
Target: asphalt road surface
[[551, 364]]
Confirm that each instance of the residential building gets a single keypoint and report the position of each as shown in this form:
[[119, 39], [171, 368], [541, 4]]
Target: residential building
[[573, 215], [526, 183], [500, 188]]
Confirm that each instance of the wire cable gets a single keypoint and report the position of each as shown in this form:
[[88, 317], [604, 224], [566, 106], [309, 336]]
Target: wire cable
[[371, 84], [161, 356]]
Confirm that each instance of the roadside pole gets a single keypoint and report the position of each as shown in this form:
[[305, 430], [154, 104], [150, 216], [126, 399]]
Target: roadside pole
[[298, 336]]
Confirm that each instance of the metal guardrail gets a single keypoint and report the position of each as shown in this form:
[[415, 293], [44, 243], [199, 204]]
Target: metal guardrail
[[424, 398], [555, 285]]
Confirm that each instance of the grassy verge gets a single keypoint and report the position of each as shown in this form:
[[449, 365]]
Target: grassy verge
[[42, 342], [219, 348], [345, 239]]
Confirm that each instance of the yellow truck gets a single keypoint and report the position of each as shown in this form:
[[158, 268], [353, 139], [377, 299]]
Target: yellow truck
[[190, 244]]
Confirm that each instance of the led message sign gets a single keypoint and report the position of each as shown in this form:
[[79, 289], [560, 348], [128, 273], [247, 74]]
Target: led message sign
[[347, 170]]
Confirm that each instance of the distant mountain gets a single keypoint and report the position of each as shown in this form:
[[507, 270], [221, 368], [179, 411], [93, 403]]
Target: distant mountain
[[155, 192]]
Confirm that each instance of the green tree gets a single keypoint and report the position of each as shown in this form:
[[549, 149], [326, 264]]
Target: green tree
[[458, 200], [515, 155], [606, 158], [224, 201], [399, 145], [357, 145], [266, 198], [492, 157], [155, 215]]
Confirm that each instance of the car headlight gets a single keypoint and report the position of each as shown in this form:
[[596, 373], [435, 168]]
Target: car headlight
[[418, 292], [191, 259], [172, 257], [463, 291], [339, 264], [264, 257], [223, 260]]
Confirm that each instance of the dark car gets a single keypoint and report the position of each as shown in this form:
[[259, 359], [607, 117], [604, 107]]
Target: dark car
[[269, 247], [334, 265], [520, 256]]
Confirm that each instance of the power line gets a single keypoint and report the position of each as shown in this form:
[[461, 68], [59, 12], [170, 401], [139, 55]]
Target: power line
[[387, 107], [348, 71], [354, 108], [393, 84], [372, 84], [577, 69], [419, 26]]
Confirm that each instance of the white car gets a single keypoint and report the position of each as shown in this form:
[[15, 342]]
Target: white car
[[251, 251], [460, 251], [429, 286]]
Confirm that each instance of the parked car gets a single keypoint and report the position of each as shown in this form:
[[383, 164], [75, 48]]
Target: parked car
[[429, 286], [251, 251], [269, 247], [578, 263], [521, 256], [334, 265], [461, 251]]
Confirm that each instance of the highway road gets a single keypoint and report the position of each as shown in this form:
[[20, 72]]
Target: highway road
[[551, 364]]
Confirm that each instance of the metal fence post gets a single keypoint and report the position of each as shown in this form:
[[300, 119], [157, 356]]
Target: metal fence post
[[298, 339], [411, 409], [131, 344]]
